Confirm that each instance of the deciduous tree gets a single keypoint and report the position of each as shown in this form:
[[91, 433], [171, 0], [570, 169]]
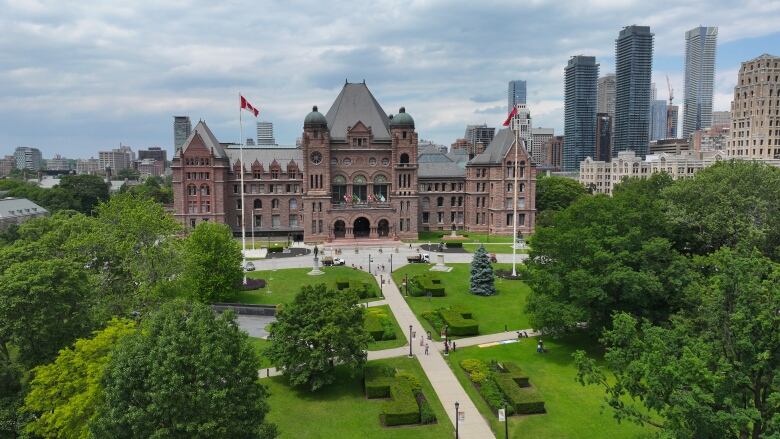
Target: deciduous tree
[[212, 263], [556, 193], [320, 329]]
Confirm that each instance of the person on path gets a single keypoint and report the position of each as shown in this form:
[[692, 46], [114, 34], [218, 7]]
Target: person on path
[[453, 346], [426, 348], [539, 347]]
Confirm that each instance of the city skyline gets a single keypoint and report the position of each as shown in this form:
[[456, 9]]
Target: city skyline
[[403, 62]]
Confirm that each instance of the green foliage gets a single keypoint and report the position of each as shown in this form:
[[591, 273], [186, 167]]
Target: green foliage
[[523, 400], [87, 191], [53, 200], [477, 370], [65, 394], [730, 204], [186, 373], [604, 254], [379, 325], [320, 328], [212, 263], [427, 283], [44, 306], [711, 371], [482, 280], [427, 415], [128, 174], [459, 323], [490, 391], [11, 396], [402, 409], [361, 288], [411, 379], [154, 188], [557, 193]]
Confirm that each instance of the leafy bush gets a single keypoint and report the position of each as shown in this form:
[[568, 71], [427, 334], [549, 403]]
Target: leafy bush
[[493, 395], [373, 325], [342, 284], [476, 369], [423, 284], [524, 400], [426, 412], [414, 382], [434, 318], [253, 284], [516, 373], [378, 379], [388, 329], [402, 409]]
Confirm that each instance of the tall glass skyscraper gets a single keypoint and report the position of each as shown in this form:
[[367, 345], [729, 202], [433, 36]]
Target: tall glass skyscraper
[[516, 94], [581, 78], [700, 45], [658, 115], [181, 130], [633, 70]]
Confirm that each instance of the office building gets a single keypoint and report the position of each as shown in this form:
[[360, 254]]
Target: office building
[[28, 158], [554, 153], [265, 133], [89, 166], [59, 163], [633, 68], [581, 77], [516, 94], [672, 115], [603, 137], [539, 137], [754, 128], [606, 95], [710, 139], [658, 120], [149, 168], [181, 130], [155, 152], [721, 119], [700, 45], [668, 146], [115, 160], [7, 164], [479, 136]]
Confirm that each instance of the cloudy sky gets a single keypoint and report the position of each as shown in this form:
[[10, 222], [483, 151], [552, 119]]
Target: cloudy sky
[[78, 77]]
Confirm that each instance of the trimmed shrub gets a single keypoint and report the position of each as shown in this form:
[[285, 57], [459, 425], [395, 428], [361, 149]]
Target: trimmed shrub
[[425, 283], [454, 244], [524, 400], [426, 412], [516, 373], [275, 249], [253, 284], [403, 408], [378, 379], [457, 325], [493, 396], [414, 383], [342, 284], [434, 319], [477, 370], [373, 325]]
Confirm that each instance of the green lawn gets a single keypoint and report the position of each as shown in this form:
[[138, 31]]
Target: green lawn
[[260, 344], [573, 411], [505, 308], [493, 248], [342, 411], [282, 285], [388, 344]]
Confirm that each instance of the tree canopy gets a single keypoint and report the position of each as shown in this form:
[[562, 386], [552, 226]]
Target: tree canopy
[[186, 373], [318, 330], [556, 193], [212, 263], [64, 395], [87, 190], [711, 371]]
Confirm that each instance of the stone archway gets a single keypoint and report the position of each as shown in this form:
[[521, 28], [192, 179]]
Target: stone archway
[[339, 229], [361, 227], [383, 228]]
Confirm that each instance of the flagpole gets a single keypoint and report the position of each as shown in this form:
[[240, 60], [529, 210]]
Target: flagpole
[[514, 214], [241, 158]]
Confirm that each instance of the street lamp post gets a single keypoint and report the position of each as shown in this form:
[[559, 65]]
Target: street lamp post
[[410, 341], [456, 419], [369, 263], [506, 424], [406, 282], [391, 262]]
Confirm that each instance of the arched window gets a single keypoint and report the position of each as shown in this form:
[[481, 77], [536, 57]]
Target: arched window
[[293, 204], [275, 203], [404, 158], [338, 189], [258, 203], [426, 202], [359, 188], [192, 190], [204, 189], [452, 201], [380, 188], [440, 201]]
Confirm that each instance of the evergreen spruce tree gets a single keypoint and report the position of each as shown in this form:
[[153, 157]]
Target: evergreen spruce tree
[[482, 281]]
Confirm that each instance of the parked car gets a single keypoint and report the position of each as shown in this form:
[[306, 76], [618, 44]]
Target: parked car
[[338, 261], [249, 266], [328, 261]]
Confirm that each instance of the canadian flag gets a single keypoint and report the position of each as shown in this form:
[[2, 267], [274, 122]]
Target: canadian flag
[[511, 115], [245, 105]]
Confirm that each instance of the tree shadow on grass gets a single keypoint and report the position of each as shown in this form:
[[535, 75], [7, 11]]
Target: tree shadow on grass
[[344, 386]]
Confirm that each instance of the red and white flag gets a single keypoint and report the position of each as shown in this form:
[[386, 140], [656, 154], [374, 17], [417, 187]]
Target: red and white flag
[[245, 105], [512, 114]]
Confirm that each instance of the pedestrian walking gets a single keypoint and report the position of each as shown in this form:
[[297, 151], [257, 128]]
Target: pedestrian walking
[[426, 348], [453, 346]]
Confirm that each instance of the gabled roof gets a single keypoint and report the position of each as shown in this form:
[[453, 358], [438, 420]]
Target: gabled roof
[[497, 150], [209, 141], [19, 207], [356, 103], [436, 164], [266, 156]]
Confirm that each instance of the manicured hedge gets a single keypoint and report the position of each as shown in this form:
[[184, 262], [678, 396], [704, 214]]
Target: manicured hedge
[[524, 400], [378, 380], [373, 325], [457, 324], [516, 373], [361, 288], [403, 408], [423, 284], [253, 284]]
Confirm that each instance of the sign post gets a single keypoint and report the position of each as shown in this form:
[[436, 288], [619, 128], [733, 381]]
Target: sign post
[[502, 418]]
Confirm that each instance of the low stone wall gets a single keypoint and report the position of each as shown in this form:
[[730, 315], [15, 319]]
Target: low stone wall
[[243, 309]]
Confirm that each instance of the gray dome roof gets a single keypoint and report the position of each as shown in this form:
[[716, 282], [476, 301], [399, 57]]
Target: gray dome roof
[[402, 119], [315, 118]]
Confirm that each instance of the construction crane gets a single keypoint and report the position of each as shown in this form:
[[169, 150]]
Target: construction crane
[[671, 90], [671, 113]]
